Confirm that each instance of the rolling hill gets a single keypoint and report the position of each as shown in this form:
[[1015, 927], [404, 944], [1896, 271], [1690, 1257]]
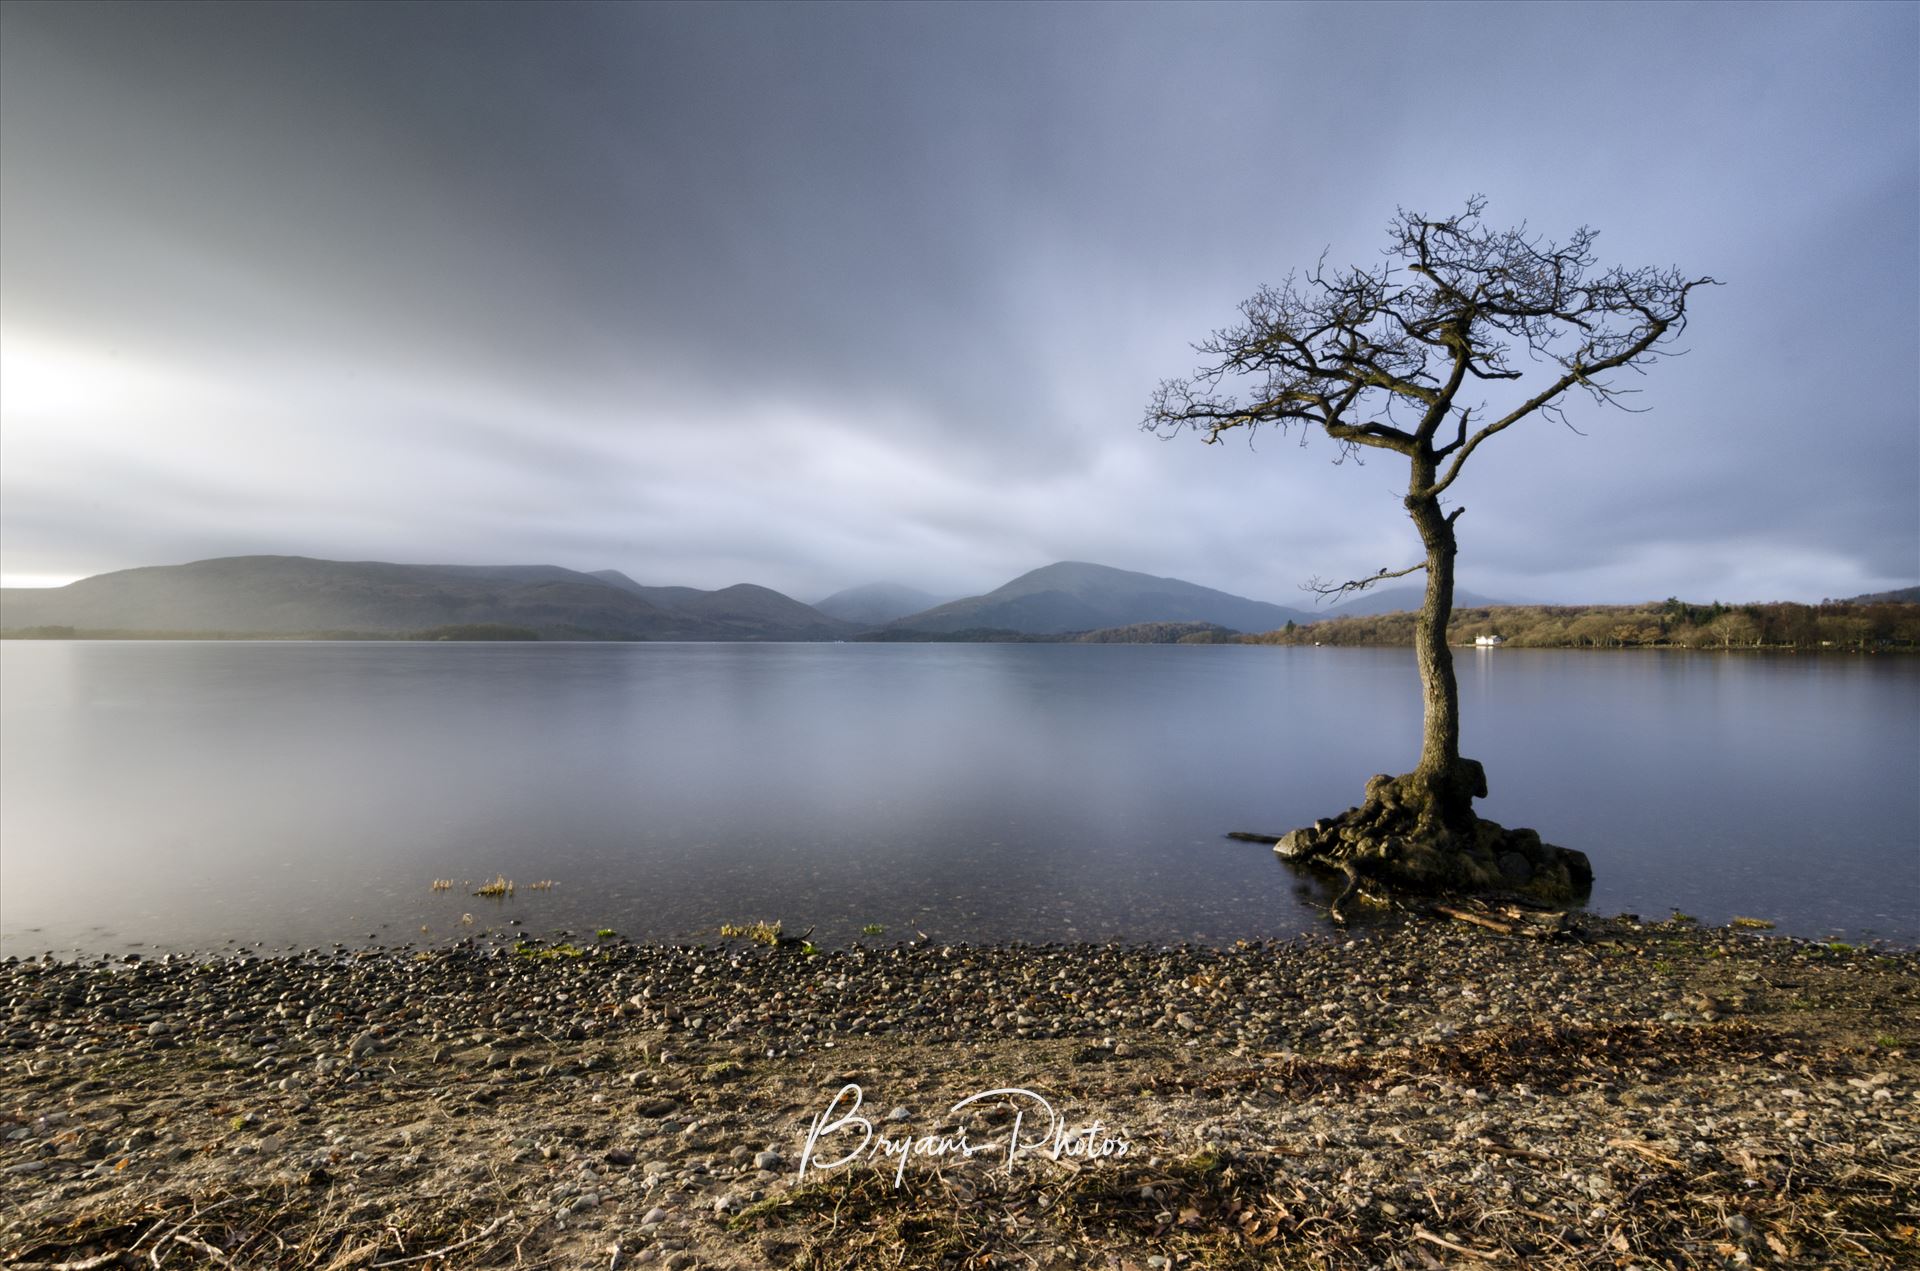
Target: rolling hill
[[288, 595], [1076, 596], [1901, 596], [877, 604], [746, 610]]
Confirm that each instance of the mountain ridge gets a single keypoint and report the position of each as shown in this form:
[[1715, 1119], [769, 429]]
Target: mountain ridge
[[1069, 596], [876, 604], [1370, 603], [276, 595], [743, 606], [270, 595], [280, 595], [1898, 596]]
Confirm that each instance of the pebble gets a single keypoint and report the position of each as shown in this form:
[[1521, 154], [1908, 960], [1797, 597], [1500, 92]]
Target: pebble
[[1274, 1002]]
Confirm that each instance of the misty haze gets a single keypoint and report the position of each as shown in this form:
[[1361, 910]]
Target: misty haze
[[835, 635], [192, 795]]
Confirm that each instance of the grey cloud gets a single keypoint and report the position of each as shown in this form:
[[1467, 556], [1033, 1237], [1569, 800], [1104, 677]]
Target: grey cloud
[[811, 295]]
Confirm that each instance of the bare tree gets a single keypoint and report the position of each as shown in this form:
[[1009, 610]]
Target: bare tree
[[1402, 357]]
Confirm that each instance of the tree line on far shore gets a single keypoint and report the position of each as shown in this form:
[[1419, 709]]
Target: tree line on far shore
[[1834, 625], [1672, 623]]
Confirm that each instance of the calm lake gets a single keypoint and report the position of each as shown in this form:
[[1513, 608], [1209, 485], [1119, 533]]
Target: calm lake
[[202, 795]]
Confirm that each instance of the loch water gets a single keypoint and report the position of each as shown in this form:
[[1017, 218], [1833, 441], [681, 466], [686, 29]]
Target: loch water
[[211, 795]]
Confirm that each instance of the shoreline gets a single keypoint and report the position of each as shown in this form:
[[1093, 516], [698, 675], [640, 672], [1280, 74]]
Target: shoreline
[[1430, 1093], [1279, 639]]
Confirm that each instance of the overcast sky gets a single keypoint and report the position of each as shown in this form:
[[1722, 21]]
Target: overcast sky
[[813, 295]]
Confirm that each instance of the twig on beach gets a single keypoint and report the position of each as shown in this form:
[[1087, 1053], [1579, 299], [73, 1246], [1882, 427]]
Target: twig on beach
[[1421, 1233], [475, 1238], [1535, 924], [193, 1243], [1647, 1150], [1518, 1153], [1477, 919], [153, 1254]]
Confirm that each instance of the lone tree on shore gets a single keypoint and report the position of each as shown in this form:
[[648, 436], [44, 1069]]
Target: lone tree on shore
[[1401, 357]]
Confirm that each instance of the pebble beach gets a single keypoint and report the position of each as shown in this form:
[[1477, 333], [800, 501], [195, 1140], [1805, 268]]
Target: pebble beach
[[1422, 1094]]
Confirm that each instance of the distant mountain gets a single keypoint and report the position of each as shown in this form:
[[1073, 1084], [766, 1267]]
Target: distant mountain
[[876, 604], [1402, 599], [746, 610], [284, 595], [1903, 596], [1075, 596]]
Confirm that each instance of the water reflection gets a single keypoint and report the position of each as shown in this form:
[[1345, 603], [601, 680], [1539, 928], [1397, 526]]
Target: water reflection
[[188, 794]]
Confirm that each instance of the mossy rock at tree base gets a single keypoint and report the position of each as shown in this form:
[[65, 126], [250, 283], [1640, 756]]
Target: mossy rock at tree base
[[1410, 837]]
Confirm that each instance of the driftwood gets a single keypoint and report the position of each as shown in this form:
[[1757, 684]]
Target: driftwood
[[1247, 836], [1477, 919], [1508, 919]]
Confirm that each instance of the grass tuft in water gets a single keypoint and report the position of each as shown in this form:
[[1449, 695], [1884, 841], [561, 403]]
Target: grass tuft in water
[[767, 933]]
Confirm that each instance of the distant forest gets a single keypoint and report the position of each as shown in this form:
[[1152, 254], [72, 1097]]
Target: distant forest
[[1832, 625], [1671, 624]]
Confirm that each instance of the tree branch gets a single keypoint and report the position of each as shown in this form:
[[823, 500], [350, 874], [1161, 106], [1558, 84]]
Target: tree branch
[[1385, 436], [1654, 327], [1323, 589], [1460, 438], [1377, 356]]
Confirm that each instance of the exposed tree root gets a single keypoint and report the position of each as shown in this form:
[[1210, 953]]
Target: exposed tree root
[[1417, 834]]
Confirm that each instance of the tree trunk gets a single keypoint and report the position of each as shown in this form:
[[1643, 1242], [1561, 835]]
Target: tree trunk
[[1417, 832], [1449, 785], [1440, 736]]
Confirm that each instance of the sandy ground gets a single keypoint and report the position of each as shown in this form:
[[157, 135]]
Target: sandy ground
[[1426, 1095]]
